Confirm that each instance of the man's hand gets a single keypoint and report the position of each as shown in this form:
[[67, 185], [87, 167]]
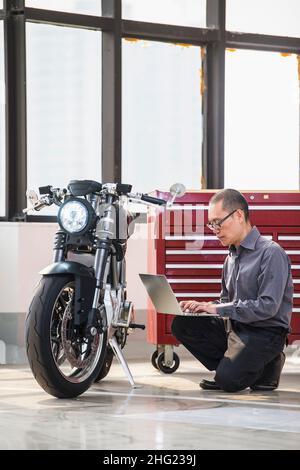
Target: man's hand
[[195, 307]]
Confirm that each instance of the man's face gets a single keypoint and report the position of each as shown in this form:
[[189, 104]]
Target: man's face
[[230, 231]]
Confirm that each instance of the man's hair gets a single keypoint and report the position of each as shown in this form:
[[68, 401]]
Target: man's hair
[[232, 199]]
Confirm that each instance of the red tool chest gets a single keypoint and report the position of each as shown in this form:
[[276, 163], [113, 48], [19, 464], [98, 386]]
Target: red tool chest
[[183, 249]]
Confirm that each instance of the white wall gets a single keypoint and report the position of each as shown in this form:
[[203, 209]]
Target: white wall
[[26, 248]]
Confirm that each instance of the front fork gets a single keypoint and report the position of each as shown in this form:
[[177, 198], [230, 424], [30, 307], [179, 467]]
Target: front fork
[[105, 263], [105, 232], [116, 304]]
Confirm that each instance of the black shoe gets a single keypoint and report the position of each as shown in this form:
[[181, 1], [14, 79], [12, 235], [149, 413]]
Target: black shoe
[[271, 375], [264, 387], [209, 385]]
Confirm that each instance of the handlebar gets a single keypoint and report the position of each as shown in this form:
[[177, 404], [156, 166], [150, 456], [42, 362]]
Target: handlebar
[[56, 196], [37, 206], [153, 200]]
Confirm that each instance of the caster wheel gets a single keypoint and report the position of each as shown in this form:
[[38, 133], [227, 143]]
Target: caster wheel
[[154, 359], [163, 367]]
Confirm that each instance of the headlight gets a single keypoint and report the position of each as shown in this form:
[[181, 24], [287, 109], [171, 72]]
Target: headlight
[[76, 216]]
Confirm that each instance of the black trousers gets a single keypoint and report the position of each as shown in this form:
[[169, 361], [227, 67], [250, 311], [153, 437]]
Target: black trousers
[[239, 355]]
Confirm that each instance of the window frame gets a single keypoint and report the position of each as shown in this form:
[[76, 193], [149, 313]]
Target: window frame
[[215, 38]]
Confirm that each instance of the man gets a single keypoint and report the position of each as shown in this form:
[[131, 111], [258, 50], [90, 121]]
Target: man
[[244, 343]]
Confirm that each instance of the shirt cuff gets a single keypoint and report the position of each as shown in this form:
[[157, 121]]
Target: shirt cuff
[[225, 310]]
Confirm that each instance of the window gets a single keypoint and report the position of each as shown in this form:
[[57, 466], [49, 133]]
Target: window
[[85, 7], [63, 105], [275, 17], [2, 124], [181, 12], [162, 115], [261, 120]]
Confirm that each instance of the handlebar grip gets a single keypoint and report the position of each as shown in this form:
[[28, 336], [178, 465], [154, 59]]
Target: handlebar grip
[[136, 325], [153, 200], [39, 206], [36, 207]]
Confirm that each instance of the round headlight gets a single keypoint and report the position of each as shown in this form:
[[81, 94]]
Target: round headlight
[[75, 216]]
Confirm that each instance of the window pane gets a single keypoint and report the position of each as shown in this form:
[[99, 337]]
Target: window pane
[[1, 4], [2, 124], [85, 7], [261, 120], [181, 12], [63, 105], [275, 17], [162, 116]]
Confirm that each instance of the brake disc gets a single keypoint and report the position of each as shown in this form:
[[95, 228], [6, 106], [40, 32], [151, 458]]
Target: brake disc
[[78, 361]]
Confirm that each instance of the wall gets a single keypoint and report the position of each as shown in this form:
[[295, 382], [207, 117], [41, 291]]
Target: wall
[[25, 250]]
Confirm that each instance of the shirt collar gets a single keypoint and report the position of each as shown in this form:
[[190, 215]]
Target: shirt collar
[[250, 240]]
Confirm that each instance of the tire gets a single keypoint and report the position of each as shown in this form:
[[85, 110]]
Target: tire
[[163, 367], [154, 359], [109, 356], [48, 324]]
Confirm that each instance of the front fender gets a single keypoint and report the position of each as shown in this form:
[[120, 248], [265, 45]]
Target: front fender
[[85, 285], [68, 267]]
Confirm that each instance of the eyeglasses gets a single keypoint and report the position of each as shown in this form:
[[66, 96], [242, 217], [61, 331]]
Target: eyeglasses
[[217, 225]]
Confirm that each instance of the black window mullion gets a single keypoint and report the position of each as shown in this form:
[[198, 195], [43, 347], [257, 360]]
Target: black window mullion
[[167, 33], [111, 94], [62, 18], [15, 85], [213, 144], [262, 42]]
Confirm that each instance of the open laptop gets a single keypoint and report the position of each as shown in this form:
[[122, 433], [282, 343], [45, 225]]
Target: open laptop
[[163, 298]]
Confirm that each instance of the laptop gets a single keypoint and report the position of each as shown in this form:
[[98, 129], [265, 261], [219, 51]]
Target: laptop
[[163, 298]]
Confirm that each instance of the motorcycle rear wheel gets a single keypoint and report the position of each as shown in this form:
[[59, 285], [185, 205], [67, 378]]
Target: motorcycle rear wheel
[[109, 356], [63, 361]]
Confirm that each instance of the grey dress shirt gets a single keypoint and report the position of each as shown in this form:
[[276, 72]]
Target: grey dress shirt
[[257, 286]]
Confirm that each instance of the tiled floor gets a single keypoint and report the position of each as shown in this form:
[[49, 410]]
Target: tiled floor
[[165, 412]]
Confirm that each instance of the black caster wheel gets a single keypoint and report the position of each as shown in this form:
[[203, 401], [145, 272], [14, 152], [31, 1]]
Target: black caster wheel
[[154, 359], [163, 367]]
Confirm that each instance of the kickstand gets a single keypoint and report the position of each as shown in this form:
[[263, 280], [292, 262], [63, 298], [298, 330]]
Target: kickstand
[[118, 352]]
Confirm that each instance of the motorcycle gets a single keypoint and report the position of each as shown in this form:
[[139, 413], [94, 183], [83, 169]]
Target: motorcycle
[[79, 316]]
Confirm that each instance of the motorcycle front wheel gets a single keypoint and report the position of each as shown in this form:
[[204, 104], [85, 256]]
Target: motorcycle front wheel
[[63, 360]]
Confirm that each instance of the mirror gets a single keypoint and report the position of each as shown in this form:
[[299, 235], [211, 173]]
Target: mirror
[[177, 190], [32, 196]]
